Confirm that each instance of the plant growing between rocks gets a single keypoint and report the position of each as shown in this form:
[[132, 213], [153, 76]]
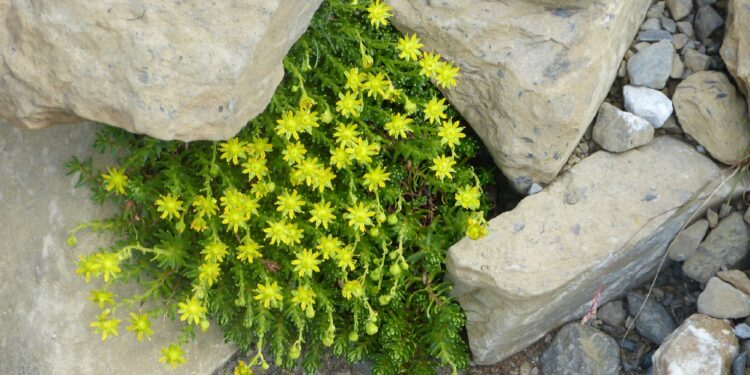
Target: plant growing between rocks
[[322, 224]]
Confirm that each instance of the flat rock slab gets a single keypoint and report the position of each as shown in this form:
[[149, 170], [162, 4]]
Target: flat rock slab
[[170, 69], [533, 72], [45, 314], [605, 223]]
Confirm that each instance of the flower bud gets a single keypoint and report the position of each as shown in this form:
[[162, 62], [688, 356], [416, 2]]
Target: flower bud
[[367, 61], [371, 328], [381, 217], [395, 270], [309, 312], [384, 299], [72, 240], [353, 336], [295, 351], [327, 116], [392, 219]]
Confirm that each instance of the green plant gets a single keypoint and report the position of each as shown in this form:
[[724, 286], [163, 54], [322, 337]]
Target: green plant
[[325, 222]]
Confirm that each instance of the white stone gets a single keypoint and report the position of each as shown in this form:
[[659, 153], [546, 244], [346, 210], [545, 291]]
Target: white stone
[[601, 224], [701, 345], [648, 103]]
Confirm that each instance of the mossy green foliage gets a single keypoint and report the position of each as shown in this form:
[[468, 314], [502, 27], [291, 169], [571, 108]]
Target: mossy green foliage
[[322, 226]]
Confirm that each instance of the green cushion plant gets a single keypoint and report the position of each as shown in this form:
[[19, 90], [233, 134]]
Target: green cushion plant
[[323, 224]]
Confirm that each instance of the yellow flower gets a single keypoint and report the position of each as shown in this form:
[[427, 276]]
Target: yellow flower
[[209, 272], [234, 217], [289, 125], [359, 216], [345, 258], [409, 47], [352, 288], [259, 147], [269, 294], [434, 110], [106, 326], [340, 158], [306, 263], [377, 84], [475, 228], [262, 188], [363, 151], [87, 266], [468, 197], [429, 64], [309, 120], [140, 325], [349, 105], [346, 135], [443, 167], [215, 252], [282, 232], [329, 246], [101, 297], [172, 355], [192, 310], [322, 213], [255, 167], [232, 150], [289, 204], [304, 296], [354, 79], [398, 126], [294, 153], [198, 224], [205, 206], [248, 251], [375, 178], [446, 74], [242, 369], [378, 13], [169, 206], [109, 264], [116, 180], [450, 133]]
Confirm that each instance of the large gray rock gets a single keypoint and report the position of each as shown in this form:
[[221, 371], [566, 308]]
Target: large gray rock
[[45, 312], [735, 51], [618, 131], [605, 223], [701, 345], [712, 112], [724, 246], [169, 69], [534, 74], [581, 350], [723, 301], [707, 20]]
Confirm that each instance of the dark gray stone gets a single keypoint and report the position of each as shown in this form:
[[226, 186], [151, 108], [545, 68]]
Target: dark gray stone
[[654, 323], [739, 364], [612, 313], [668, 24], [707, 20], [725, 246], [581, 350], [654, 35], [652, 66]]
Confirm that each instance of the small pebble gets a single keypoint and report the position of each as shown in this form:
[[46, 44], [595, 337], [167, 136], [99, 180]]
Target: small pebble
[[668, 24], [712, 217], [535, 188], [628, 345], [742, 331]]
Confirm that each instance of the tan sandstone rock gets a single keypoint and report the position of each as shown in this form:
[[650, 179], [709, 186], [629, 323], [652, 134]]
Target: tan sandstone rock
[[701, 345], [736, 47], [712, 112], [605, 223], [534, 74], [172, 70]]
